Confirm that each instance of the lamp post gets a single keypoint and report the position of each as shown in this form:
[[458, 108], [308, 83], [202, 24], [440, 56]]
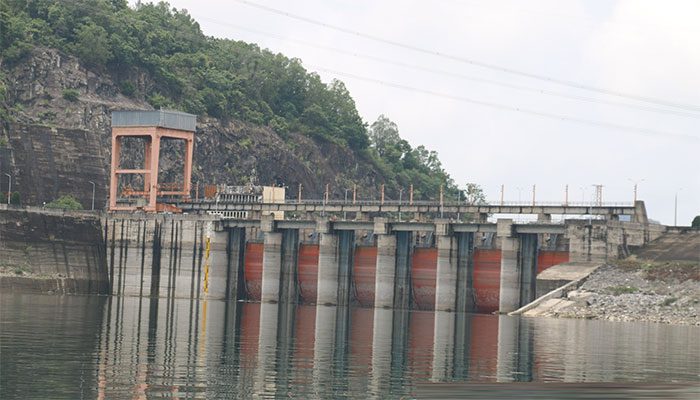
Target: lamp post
[[93, 195], [9, 187]]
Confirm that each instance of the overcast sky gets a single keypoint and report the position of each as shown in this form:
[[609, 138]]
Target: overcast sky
[[648, 49]]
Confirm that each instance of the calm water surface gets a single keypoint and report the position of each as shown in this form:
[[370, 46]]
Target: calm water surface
[[76, 347]]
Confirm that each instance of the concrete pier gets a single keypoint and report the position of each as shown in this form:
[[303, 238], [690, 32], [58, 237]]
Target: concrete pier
[[509, 293], [446, 278], [272, 267], [386, 267], [327, 292]]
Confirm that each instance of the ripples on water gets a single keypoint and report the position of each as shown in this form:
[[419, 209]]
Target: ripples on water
[[126, 347]]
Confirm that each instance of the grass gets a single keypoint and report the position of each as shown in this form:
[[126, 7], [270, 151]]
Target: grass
[[618, 290], [668, 301]]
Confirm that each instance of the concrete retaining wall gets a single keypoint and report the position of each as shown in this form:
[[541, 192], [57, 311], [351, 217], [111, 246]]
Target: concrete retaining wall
[[45, 252]]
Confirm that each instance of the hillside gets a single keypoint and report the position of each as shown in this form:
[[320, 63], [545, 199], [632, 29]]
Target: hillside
[[64, 66]]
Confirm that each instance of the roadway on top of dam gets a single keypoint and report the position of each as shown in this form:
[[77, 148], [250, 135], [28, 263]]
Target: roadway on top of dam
[[396, 226], [316, 206]]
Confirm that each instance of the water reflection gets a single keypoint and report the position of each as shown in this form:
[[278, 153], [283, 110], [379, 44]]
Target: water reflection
[[129, 347]]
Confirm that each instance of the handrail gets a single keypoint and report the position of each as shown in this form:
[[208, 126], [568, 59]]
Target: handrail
[[334, 202]]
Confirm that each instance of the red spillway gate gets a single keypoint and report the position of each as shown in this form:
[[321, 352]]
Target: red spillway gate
[[364, 267], [423, 273], [487, 279], [252, 273], [307, 271], [548, 258]]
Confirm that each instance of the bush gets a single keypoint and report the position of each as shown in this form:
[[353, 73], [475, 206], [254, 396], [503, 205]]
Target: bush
[[127, 88], [66, 202], [15, 199], [71, 95], [3, 198]]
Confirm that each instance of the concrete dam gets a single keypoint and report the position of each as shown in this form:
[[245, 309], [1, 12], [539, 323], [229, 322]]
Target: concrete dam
[[253, 243], [434, 264]]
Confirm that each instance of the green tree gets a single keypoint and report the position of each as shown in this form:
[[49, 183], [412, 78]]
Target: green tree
[[92, 44], [66, 202], [383, 135], [474, 194], [696, 222]]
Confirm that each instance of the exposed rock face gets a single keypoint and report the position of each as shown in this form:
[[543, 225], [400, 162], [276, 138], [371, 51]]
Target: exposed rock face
[[54, 136]]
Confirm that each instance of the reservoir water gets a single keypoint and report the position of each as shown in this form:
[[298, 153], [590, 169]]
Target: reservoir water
[[75, 347]]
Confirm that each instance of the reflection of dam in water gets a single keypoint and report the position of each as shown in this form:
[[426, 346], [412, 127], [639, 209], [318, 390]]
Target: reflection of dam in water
[[176, 346]]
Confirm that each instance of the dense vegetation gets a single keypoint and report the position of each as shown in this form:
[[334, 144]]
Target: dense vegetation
[[202, 75]]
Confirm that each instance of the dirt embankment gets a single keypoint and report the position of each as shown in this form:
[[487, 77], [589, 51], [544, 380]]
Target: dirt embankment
[[639, 290]]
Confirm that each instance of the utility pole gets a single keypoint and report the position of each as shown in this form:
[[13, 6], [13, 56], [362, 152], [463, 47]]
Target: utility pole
[[400, 198], [354, 193], [382, 194], [635, 188], [410, 194], [675, 208], [533, 194], [441, 201], [299, 194], [502, 191], [566, 195], [598, 195]]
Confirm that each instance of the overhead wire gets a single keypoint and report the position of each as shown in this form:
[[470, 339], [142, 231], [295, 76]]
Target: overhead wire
[[453, 74], [499, 106], [512, 71]]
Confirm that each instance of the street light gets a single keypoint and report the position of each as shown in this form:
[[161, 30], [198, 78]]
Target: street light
[[93, 195], [9, 187]]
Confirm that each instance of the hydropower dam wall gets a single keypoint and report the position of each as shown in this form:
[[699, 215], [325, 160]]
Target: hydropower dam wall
[[426, 266]]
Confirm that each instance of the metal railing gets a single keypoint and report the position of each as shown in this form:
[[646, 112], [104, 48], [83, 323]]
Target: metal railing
[[336, 202]]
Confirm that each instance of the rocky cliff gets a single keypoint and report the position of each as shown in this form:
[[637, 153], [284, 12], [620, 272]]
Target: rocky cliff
[[59, 142]]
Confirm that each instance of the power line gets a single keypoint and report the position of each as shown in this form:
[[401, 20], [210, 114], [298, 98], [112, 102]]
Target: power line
[[453, 74], [465, 60], [558, 117]]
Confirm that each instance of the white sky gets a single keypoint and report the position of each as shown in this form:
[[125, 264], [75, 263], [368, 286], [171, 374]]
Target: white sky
[[648, 48]]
